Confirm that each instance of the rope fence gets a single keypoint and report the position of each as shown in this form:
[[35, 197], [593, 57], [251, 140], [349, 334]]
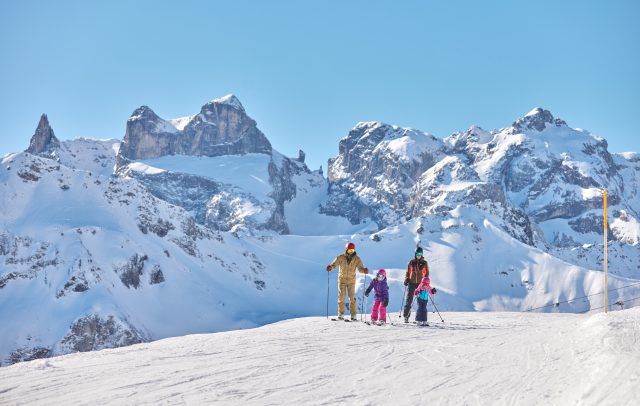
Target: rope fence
[[557, 304]]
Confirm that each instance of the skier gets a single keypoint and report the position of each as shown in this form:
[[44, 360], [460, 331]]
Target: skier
[[348, 263], [422, 293], [380, 286], [416, 270]]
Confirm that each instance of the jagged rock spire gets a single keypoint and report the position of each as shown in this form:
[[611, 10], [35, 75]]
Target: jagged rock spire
[[44, 140]]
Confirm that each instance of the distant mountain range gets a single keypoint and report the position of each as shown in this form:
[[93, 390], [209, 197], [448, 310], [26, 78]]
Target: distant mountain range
[[197, 224]]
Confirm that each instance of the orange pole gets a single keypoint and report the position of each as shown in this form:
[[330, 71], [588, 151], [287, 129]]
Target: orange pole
[[606, 258]]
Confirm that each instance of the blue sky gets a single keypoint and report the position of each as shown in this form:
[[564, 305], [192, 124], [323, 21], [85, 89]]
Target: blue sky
[[308, 71]]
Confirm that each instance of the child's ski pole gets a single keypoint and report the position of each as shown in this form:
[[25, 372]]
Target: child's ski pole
[[436, 307]]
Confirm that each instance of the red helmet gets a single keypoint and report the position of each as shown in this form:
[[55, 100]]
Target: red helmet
[[350, 246]]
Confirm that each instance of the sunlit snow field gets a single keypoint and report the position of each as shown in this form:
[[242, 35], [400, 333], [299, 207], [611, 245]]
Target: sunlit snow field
[[471, 358]]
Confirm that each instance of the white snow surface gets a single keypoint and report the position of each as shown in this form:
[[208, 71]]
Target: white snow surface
[[302, 212], [95, 156], [248, 172], [471, 358], [533, 112], [230, 100], [181, 122]]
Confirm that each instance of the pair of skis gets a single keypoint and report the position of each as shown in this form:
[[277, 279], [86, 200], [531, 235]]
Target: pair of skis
[[369, 323], [373, 323], [410, 324]]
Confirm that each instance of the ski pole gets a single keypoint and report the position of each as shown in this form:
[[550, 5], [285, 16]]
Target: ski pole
[[436, 307], [402, 303], [327, 295], [364, 282]]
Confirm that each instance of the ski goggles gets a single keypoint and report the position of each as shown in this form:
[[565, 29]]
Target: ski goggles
[[350, 251], [380, 276], [418, 254]]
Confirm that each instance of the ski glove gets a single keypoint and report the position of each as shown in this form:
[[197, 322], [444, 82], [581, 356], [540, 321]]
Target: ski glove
[[433, 291], [366, 292], [406, 282], [386, 302], [328, 268], [365, 270]]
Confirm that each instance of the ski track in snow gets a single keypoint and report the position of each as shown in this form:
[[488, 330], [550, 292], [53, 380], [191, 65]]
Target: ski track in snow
[[472, 358]]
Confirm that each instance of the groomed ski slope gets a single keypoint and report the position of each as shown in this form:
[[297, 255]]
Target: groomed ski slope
[[473, 358]]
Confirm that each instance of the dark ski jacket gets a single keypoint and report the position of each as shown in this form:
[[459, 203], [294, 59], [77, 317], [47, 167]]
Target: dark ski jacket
[[381, 289], [416, 270]]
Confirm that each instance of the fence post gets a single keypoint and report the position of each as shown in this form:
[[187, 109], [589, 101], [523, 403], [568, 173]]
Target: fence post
[[606, 258]]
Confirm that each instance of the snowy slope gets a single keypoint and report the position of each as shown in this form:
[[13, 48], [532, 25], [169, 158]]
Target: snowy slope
[[472, 358], [248, 172], [96, 156]]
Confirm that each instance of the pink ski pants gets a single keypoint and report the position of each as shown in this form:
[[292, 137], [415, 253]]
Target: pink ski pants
[[378, 312]]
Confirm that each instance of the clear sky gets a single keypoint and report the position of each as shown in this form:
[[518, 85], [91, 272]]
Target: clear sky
[[308, 71]]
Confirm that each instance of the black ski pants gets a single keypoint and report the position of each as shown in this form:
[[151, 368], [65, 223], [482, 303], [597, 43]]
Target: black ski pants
[[411, 289]]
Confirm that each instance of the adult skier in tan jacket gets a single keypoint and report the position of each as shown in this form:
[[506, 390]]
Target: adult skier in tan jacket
[[348, 263]]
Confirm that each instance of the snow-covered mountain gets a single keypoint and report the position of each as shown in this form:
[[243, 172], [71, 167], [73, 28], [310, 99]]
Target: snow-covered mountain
[[217, 164], [197, 224], [541, 177]]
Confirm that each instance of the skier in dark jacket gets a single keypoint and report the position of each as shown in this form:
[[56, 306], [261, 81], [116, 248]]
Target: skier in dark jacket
[[417, 269], [380, 286]]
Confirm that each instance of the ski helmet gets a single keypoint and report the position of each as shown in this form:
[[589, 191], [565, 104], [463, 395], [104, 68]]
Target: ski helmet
[[426, 280], [418, 252], [349, 246], [381, 272]]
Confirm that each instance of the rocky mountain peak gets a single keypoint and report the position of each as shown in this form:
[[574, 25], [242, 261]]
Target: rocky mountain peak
[[143, 113], [44, 140], [474, 134], [221, 128], [228, 100], [371, 133], [537, 120]]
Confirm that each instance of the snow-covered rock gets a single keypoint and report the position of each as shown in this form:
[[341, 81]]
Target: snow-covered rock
[[216, 164], [221, 128], [376, 167], [546, 177]]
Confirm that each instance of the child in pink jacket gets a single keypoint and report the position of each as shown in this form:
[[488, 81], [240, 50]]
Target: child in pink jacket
[[422, 293]]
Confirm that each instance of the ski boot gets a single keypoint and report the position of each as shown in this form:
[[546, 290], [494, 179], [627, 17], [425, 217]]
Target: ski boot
[[354, 318], [381, 322], [340, 317], [406, 319]]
